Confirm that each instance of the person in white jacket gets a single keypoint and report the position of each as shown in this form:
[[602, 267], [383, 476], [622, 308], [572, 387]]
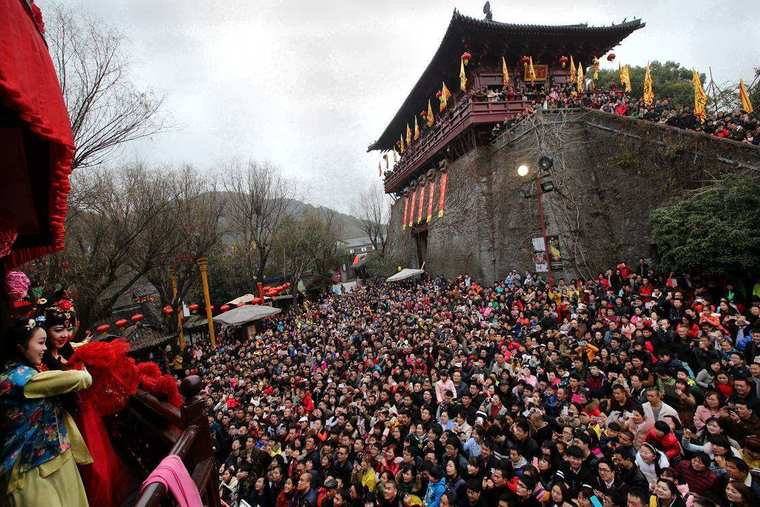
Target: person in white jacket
[[651, 461], [655, 409]]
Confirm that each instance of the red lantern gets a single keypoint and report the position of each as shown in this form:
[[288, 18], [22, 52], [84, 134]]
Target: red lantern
[[563, 60], [168, 310], [121, 323], [102, 328], [466, 57], [610, 57], [193, 307], [138, 317], [224, 308]]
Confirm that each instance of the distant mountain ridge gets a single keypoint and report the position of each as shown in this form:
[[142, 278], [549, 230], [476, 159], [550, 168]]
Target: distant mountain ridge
[[348, 225]]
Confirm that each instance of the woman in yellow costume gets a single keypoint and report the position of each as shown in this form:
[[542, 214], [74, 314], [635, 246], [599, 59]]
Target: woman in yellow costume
[[39, 442]]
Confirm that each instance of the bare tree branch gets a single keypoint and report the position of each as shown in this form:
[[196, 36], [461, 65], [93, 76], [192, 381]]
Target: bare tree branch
[[373, 208], [257, 200], [105, 108]]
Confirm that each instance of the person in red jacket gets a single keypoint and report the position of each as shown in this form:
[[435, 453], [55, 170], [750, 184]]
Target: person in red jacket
[[662, 437]]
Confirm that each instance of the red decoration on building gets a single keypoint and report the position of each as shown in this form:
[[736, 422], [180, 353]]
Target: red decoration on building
[[610, 57], [193, 307], [224, 308], [138, 317], [102, 328], [121, 323], [168, 310]]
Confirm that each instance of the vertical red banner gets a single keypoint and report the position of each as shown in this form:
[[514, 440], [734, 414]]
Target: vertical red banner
[[442, 193], [431, 191], [403, 215], [421, 203], [412, 201]]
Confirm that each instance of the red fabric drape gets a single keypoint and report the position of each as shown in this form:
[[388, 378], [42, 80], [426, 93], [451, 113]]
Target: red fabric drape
[[116, 377], [412, 202], [29, 87]]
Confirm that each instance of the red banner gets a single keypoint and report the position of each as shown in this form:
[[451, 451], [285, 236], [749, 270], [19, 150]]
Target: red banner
[[431, 191], [403, 215], [442, 193], [421, 203], [412, 201], [542, 72]]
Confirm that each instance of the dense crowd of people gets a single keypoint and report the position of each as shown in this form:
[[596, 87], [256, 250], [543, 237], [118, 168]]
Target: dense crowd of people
[[628, 389]]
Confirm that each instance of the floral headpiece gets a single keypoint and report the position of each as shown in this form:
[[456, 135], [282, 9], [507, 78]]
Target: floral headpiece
[[60, 313], [38, 321]]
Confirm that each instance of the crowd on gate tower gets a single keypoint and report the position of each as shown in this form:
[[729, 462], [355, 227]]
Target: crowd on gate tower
[[632, 388], [736, 125]]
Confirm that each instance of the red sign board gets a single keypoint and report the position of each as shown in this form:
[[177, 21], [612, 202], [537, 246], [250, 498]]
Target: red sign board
[[542, 71]]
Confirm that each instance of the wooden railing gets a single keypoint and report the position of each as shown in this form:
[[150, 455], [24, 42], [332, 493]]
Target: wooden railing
[[151, 430], [465, 113]]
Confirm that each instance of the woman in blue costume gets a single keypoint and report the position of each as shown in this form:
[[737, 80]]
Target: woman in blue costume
[[39, 441]]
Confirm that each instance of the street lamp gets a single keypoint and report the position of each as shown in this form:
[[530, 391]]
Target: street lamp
[[523, 170]]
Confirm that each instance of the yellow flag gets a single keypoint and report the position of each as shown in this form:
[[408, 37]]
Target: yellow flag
[[445, 94], [700, 99], [408, 135], [595, 65], [648, 91], [416, 129], [462, 76], [504, 72], [572, 70], [579, 81], [531, 71], [430, 118], [401, 143], [625, 78], [746, 103]]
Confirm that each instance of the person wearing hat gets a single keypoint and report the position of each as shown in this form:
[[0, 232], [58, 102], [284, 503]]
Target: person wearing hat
[[326, 493], [40, 441], [60, 322]]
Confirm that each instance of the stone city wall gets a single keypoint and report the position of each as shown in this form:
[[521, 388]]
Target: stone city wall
[[609, 173]]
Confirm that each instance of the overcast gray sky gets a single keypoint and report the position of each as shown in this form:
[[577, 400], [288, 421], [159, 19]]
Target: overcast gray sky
[[308, 85]]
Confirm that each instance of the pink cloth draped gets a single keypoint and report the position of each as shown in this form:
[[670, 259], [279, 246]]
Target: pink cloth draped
[[171, 472]]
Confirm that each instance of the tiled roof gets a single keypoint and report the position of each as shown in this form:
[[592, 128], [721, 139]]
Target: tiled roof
[[444, 65]]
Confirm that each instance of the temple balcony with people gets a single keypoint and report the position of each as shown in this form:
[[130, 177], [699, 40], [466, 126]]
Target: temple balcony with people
[[497, 71]]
